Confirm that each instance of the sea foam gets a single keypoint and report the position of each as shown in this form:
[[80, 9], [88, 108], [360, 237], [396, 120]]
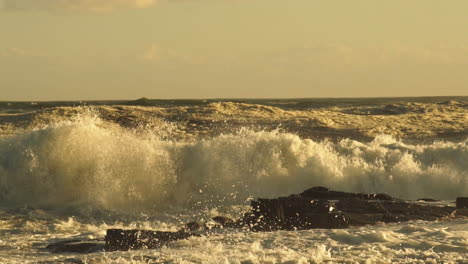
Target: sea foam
[[87, 161]]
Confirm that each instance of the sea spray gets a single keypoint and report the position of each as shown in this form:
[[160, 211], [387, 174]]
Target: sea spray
[[70, 173], [90, 162]]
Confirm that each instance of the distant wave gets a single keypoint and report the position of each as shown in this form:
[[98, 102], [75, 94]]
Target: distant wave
[[90, 162]]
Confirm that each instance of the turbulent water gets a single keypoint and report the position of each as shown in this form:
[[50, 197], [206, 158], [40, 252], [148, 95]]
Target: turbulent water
[[70, 170]]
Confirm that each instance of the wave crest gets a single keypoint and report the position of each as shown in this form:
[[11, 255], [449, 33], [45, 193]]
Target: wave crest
[[90, 162]]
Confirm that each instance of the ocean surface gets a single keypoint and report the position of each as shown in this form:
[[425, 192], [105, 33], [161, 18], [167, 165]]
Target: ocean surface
[[71, 170]]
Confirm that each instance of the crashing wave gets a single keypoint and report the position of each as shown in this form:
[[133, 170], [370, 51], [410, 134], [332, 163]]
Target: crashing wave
[[88, 161]]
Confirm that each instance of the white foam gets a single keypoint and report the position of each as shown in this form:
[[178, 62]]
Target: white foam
[[408, 242], [90, 162]]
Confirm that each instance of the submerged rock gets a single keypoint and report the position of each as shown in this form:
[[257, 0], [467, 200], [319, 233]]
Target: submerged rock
[[123, 240], [462, 202], [193, 226], [77, 246], [224, 222]]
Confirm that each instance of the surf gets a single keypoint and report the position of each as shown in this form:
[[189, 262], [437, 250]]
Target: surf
[[88, 161]]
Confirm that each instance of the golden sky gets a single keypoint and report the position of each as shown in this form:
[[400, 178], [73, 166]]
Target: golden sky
[[126, 49]]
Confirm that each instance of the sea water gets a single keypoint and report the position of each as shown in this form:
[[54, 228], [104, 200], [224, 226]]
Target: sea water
[[71, 171]]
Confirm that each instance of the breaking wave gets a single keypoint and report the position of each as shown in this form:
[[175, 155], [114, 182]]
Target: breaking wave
[[90, 162]]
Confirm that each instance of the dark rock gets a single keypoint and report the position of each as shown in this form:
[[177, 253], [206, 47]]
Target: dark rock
[[193, 226], [123, 240], [325, 193], [223, 221], [462, 202], [392, 211], [77, 246], [317, 207], [318, 189], [382, 197], [320, 207], [462, 212], [294, 212]]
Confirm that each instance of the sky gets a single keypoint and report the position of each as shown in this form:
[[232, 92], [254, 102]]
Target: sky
[[128, 49]]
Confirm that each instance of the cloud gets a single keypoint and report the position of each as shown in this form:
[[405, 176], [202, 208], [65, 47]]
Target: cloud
[[324, 55], [153, 53], [73, 5], [18, 52], [399, 52], [157, 55]]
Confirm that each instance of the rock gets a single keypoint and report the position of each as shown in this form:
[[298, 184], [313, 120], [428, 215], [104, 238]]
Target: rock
[[318, 189], [317, 207], [123, 240], [462, 212], [391, 211], [224, 222], [193, 226], [325, 193], [320, 207], [462, 202], [294, 212], [77, 246], [218, 222]]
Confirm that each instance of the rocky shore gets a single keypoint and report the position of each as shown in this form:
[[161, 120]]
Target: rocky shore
[[317, 207]]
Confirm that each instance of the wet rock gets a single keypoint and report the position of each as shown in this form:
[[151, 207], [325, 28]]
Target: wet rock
[[317, 189], [193, 226], [76, 246], [292, 213], [392, 211], [320, 207], [123, 240], [223, 221], [462, 212], [462, 202], [325, 193], [317, 207]]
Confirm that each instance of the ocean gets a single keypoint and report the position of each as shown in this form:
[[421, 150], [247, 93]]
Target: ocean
[[72, 170]]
